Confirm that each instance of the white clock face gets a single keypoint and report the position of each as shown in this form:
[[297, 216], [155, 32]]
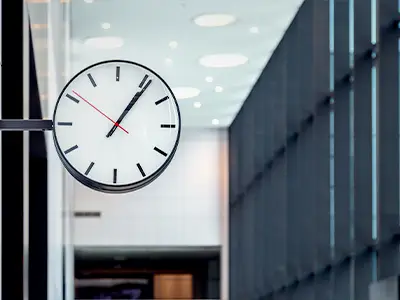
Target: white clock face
[[116, 126]]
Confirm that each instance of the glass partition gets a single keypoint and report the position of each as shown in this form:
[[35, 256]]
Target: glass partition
[[49, 30]]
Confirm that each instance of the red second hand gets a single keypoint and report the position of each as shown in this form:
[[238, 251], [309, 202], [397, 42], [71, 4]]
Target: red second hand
[[115, 123]]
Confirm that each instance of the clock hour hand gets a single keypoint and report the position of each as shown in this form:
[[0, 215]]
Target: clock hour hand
[[127, 109]]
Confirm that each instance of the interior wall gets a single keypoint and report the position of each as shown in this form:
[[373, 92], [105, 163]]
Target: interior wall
[[181, 208]]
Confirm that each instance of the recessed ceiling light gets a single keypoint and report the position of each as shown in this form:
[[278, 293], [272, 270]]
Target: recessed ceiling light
[[254, 29], [185, 92], [39, 26], [105, 42], [173, 44], [214, 20], [197, 104], [223, 60], [168, 61], [218, 89], [89, 1], [215, 121], [209, 79], [106, 25]]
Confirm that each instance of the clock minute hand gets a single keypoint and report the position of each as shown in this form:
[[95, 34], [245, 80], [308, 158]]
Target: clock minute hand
[[127, 109], [122, 116]]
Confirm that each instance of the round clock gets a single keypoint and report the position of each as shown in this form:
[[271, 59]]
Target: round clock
[[116, 126]]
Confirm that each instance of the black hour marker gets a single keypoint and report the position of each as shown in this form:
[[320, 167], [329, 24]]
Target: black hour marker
[[160, 151], [143, 81], [92, 80], [117, 74], [115, 176], [89, 168], [64, 123], [141, 170], [147, 85], [71, 149], [162, 100], [72, 98], [167, 125]]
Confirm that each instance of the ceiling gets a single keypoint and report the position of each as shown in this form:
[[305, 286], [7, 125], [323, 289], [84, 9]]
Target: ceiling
[[164, 36]]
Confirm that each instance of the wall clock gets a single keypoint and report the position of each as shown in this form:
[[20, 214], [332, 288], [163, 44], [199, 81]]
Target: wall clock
[[116, 126]]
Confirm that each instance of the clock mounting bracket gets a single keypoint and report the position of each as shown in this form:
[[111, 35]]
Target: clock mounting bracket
[[26, 125]]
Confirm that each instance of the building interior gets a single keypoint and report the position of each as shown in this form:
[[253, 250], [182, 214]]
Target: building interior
[[282, 176]]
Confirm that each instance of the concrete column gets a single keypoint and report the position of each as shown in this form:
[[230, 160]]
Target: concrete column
[[69, 181], [224, 254]]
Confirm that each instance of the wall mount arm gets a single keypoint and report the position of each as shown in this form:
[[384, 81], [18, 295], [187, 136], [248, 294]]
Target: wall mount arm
[[26, 125]]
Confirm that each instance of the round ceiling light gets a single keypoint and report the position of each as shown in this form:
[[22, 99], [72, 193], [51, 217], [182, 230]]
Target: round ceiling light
[[215, 121], [106, 25], [168, 61], [173, 44], [218, 89], [197, 104], [209, 79], [214, 20], [223, 60], [105, 42], [254, 29], [185, 92]]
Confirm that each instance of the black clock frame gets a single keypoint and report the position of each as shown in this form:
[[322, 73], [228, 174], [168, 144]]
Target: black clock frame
[[108, 188]]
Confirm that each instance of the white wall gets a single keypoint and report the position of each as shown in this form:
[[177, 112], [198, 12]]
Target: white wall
[[181, 208]]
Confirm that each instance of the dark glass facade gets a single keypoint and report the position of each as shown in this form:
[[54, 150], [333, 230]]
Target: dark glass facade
[[314, 159]]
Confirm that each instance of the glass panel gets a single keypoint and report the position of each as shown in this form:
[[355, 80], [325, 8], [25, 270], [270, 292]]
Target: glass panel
[[50, 36]]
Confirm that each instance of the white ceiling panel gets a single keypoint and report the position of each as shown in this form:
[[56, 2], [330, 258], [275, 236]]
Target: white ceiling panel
[[146, 29]]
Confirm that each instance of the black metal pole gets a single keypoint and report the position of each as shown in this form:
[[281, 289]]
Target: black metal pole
[[26, 125], [11, 155]]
